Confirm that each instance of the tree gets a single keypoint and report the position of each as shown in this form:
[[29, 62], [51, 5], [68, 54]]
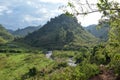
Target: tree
[[83, 7], [111, 15]]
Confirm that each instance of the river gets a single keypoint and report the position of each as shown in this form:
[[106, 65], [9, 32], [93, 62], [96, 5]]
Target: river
[[69, 61]]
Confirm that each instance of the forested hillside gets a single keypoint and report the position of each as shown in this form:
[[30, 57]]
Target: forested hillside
[[59, 32], [4, 35], [25, 31], [99, 31], [62, 49]]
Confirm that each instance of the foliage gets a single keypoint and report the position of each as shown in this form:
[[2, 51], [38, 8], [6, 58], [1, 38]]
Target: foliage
[[113, 46], [2, 40], [63, 54], [25, 31], [4, 35], [101, 55], [29, 66], [14, 66], [88, 70], [57, 34], [111, 16], [115, 63], [77, 73], [99, 31]]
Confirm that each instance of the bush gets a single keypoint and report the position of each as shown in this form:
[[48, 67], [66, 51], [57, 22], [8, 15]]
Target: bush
[[115, 63], [100, 55], [89, 70]]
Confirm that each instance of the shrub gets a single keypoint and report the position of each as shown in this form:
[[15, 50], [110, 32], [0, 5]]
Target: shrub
[[115, 63]]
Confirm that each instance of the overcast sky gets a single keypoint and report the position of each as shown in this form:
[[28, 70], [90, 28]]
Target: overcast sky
[[16, 14]]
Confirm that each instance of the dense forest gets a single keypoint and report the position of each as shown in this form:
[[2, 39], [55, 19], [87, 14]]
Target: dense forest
[[62, 49], [57, 33]]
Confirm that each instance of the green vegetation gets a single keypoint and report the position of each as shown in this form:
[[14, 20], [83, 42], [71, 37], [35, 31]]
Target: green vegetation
[[14, 66], [58, 34], [31, 66], [25, 58], [5, 36], [106, 54], [99, 31], [25, 31]]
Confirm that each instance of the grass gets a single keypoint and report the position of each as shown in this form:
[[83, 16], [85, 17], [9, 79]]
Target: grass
[[13, 66], [16, 66]]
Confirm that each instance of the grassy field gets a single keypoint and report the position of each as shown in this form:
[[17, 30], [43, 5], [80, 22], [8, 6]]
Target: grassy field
[[13, 66], [19, 62]]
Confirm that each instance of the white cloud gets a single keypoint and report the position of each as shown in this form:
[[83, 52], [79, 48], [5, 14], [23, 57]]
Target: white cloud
[[3, 9], [90, 1], [89, 19], [51, 14], [36, 12], [30, 18], [9, 11], [29, 2], [42, 10], [33, 4], [54, 1]]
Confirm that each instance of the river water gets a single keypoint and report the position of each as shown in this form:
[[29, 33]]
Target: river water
[[69, 61]]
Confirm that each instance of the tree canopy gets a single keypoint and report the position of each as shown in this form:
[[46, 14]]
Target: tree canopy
[[59, 32], [109, 9]]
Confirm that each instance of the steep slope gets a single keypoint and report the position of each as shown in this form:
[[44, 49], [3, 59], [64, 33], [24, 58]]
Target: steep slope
[[101, 32], [4, 35], [10, 31], [59, 32], [25, 31]]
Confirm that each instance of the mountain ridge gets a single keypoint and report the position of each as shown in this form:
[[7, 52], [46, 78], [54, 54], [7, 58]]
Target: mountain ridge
[[99, 31], [59, 32], [25, 31]]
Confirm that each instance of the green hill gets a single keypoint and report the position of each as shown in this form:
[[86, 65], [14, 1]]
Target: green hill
[[25, 31], [60, 32], [101, 32], [4, 35]]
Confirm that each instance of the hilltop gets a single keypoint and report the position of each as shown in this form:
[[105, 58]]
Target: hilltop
[[60, 32]]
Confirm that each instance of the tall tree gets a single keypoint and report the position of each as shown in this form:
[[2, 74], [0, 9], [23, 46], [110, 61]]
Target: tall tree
[[109, 9], [111, 15]]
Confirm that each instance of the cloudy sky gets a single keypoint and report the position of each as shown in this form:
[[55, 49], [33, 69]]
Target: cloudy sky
[[16, 14]]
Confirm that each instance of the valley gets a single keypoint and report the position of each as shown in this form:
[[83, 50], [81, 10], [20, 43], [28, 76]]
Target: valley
[[62, 49]]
